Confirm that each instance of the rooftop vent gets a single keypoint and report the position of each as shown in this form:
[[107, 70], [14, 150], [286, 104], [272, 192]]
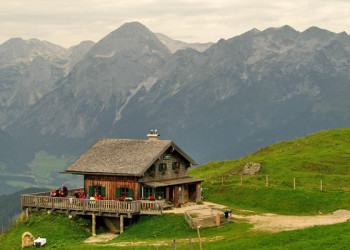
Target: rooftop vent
[[153, 135]]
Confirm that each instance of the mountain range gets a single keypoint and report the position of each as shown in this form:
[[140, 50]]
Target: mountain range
[[217, 101]]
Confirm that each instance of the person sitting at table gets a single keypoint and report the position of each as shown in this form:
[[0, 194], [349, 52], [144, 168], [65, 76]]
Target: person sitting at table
[[58, 191], [96, 196], [87, 197], [65, 191], [76, 195], [53, 193], [100, 197]]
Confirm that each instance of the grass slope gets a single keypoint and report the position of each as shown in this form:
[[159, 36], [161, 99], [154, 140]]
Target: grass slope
[[58, 229], [64, 233], [323, 156]]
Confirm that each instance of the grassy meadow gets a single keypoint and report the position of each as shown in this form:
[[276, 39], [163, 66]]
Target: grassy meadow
[[324, 156]]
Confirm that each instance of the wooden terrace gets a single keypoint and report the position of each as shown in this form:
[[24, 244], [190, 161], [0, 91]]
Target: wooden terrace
[[74, 206]]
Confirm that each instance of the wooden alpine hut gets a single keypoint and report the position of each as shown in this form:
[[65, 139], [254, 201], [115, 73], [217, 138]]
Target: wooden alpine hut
[[137, 170]]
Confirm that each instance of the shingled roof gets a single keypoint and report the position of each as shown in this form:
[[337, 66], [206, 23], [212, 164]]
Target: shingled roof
[[122, 157]]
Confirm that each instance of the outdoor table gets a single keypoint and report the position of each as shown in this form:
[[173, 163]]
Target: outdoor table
[[40, 241]]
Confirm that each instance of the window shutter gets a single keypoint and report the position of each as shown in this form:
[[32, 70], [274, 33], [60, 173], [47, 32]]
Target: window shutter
[[160, 166], [174, 166], [103, 191], [131, 193], [117, 192], [178, 165], [91, 191], [165, 167]]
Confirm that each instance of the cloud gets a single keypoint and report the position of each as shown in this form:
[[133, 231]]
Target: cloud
[[69, 22]]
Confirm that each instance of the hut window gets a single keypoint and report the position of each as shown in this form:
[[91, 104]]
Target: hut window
[[147, 192], [159, 193], [124, 192], [176, 165], [97, 190], [152, 170], [162, 167]]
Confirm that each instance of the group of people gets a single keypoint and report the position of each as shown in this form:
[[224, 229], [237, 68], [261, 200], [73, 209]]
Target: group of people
[[61, 192], [81, 195]]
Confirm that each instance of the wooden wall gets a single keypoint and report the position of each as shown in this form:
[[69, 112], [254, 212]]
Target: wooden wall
[[169, 173], [111, 183]]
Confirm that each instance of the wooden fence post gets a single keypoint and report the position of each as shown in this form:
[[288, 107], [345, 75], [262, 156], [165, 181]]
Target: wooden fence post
[[241, 180], [294, 182], [174, 244], [199, 238], [27, 213], [267, 180], [321, 188], [121, 224], [222, 180], [93, 224], [190, 240]]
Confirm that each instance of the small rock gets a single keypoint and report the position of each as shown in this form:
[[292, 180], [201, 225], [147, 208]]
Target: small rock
[[27, 239], [251, 168]]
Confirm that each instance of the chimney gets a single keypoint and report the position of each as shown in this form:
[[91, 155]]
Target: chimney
[[153, 135]]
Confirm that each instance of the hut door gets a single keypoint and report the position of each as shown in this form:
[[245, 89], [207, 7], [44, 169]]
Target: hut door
[[186, 193], [176, 196]]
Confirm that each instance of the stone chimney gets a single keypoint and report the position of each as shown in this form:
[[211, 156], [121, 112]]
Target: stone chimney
[[153, 135]]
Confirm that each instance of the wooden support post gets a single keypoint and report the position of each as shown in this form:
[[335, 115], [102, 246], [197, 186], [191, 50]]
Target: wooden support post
[[294, 182], [241, 180], [121, 224], [199, 238], [93, 224], [190, 240], [174, 244], [267, 180], [217, 220], [321, 188], [222, 180]]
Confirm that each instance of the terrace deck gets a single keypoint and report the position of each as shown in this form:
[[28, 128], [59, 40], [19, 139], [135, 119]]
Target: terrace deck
[[73, 206]]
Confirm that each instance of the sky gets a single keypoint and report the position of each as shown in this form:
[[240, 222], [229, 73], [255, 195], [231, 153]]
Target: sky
[[68, 23]]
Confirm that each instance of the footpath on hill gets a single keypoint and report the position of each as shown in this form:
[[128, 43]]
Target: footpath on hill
[[263, 221], [272, 222]]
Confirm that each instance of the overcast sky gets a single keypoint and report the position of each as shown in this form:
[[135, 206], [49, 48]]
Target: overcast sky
[[67, 23]]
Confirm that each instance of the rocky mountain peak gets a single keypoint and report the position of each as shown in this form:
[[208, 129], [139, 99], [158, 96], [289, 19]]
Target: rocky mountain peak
[[18, 50], [130, 37]]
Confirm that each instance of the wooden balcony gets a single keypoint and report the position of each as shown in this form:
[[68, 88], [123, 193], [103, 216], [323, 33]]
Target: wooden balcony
[[73, 206]]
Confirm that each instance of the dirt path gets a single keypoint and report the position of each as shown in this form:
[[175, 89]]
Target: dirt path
[[262, 222], [276, 223], [271, 222], [105, 237]]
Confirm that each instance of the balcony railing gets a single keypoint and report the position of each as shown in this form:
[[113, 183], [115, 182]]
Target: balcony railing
[[60, 204]]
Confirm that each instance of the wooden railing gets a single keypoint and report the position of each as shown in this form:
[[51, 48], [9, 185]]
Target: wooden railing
[[80, 205]]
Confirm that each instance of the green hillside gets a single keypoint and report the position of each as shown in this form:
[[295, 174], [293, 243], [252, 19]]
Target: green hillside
[[324, 156], [64, 233]]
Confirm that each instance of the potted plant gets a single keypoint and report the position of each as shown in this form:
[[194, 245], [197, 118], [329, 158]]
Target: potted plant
[[120, 199], [177, 170], [152, 198]]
